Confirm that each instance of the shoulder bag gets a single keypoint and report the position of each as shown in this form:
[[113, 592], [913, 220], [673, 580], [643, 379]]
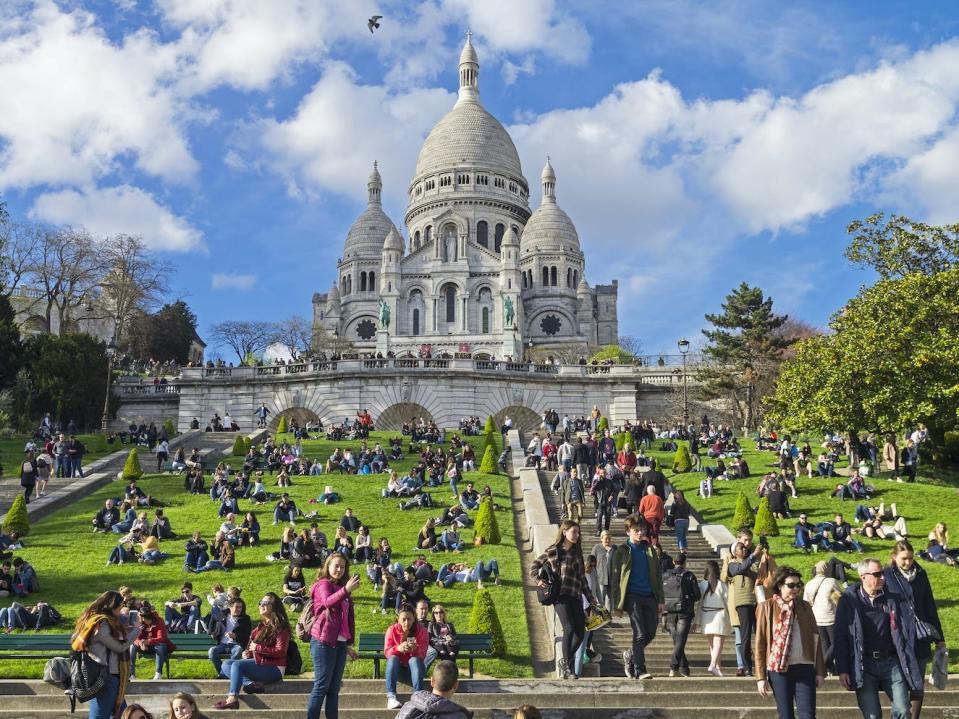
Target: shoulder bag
[[86, 676]]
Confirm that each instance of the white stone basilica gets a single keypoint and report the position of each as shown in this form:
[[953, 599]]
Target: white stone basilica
[[479, 273]]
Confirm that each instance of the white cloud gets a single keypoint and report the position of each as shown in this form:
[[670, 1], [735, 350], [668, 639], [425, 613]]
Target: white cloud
[[118, 210], [220, 281], [75, 103], [931, 180]]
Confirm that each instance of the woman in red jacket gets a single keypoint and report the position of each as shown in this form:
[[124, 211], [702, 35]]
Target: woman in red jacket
[[405, 648], [264, 660], [152, 639]]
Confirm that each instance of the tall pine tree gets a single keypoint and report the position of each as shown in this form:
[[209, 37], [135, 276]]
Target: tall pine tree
[[744, 351]]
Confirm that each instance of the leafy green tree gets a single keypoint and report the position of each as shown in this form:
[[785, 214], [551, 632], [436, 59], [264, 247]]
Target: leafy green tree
[[603, 424], [281, 427], [17, 519], [743, 516], [902, 246], [485, 620], [11, 348], [165, 335], [622, 438], [765, 521], [486, 526], [132, 468], [616, 353], [239, 446], [683, 461], [744, 350], [488, 463]]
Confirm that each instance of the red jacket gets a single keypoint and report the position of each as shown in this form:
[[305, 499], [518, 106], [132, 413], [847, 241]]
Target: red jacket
[[154, 634], [273, 654], [395, 637], [651, 506]]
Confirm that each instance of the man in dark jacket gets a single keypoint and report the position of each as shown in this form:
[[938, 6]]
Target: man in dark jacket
[[603, 492], [655, 478], [875, 643], [439, 702], [680, 608], [104, 520]]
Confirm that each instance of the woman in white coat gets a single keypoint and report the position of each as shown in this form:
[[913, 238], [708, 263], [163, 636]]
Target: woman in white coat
[[822, 593], [712, 615]]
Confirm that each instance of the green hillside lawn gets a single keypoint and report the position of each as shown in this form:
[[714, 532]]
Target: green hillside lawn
[[11, 452], [71, 560], [930, 500]]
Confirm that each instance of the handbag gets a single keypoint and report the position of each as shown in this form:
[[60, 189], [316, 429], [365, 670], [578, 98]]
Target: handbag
[[547, 596], [926, 632], [86, 676]]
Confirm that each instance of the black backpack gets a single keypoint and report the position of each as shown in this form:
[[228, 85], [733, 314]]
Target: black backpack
[[294, 662], [680, 590]]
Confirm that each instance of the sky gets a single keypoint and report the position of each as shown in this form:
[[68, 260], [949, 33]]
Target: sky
[[696, 145]]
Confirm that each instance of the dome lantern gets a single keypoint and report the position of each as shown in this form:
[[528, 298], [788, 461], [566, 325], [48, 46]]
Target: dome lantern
[[549, 183], [374, 185], [469, 72]]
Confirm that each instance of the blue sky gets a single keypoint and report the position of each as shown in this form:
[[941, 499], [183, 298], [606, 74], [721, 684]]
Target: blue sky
[[696, 145]]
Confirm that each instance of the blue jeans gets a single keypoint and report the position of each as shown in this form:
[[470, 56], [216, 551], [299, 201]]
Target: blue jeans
[[101, 706], [682, 527], [740, 659], [170, 615], [453, 486], [153, 555], [280, 515], [415, 669], [798, 683], [886, 675], [246, 671], [75, 469], [216, 653], [581, 655], [328, 665], [483, 572], [212, 564], [195, 560], [161, 652]]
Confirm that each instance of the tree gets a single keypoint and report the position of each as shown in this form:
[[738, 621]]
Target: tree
[[485, 620], [683, 461], [281, 427], [11, 348], [239, 446], [164, 336], [488, 463], [294, 334], [489, 436], [17, 519], [743, 516], [742, 358], [134, 279], [17, 243], [244, 337], [616, 353], [486, 527], [902, 246], [630, 344], [131, 468], [765, 525]]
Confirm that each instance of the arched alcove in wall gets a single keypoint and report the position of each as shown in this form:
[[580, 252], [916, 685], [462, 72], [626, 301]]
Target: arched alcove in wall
[[394, 416], [524, 419], [302, 415]]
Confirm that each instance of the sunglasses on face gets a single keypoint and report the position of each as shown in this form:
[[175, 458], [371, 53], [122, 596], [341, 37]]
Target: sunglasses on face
[[266, 603], [877, 575], [793, 585], [435, 614]]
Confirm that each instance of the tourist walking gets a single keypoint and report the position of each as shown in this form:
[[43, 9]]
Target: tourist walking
[[908, 581], [822, 593], [604, 564], [637, 589], [332, 635], [712, 615], [564, 558], [102, 634], [873, 651], [679, 516], [789, 658], [742, 580], [680, 592]]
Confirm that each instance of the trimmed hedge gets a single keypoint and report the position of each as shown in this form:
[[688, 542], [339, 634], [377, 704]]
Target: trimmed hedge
[[486, 526], [744, 515], [132, 469], [485, 620], [169, 428], [281, 427], [765, 521], [239, 446], [683, 461], [18, 519], [603, 424], [488, 463]]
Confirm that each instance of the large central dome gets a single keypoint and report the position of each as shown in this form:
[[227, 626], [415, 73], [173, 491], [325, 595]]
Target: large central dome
[[468, 134]]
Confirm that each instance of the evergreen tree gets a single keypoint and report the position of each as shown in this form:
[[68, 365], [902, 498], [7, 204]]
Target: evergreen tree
[[486, 526], [132, 469], [169, 428], [621, 439], [683, 461], [743, 516], [239, 446], [489, 435], [485, 620], [281, 427], [11, 348], [765, 521], [744, 351], [603, 424], [17, 519], [488, 463]]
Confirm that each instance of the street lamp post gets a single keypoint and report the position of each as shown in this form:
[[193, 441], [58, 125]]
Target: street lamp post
[[105, 418], [683, 345], [336, 334], [529, 355]]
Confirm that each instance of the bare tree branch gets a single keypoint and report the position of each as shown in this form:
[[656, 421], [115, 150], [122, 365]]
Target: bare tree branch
[[244, 337], [293, 333]]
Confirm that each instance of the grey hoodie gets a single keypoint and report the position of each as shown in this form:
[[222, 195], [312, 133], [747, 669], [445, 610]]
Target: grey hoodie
[[426, 703]]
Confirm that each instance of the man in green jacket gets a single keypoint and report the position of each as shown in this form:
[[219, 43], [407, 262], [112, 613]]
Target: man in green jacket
[[637, 588]]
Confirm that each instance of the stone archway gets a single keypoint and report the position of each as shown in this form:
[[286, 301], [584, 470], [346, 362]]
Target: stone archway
[[394, 416], [524, 419], [302, 415]]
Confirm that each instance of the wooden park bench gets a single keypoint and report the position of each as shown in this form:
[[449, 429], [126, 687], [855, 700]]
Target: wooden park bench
[[471, 646]]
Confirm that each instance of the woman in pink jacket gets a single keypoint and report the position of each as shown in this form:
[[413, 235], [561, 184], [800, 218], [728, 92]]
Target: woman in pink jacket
[[405, 648], [331, 638]]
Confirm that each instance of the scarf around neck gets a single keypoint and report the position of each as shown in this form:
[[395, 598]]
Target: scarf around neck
[[782, 635]]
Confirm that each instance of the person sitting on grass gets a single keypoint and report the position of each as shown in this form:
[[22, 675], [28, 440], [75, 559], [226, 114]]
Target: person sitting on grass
[[840, 539], [150, 551], [349, 522], [129, 516], [405, 646], [124, 551], [108, 515], [31, 618], [842, 492], [460, 572], [137, 496], [161, 528], [193, 482], [427, 536], [857, 486], [249, 533], [469, 497], [228, 504], [382, 564], [343, 543], [285, 552], [257, 491], [294, 588], [450, 541], [283, 478], [264, 658], [393, 485], [328, 496], [421, 501], [439, 701], [455, 516], [364, 545], [305, 552], [182, 614], [285, 510], [196, 553], [231, 632], [807, 536], [224, 556], [153, 639]]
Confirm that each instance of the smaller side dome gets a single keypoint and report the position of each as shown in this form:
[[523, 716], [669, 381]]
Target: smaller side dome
[[394, 241], [511, 238], [549, 228], [583, 287], [333, 294]]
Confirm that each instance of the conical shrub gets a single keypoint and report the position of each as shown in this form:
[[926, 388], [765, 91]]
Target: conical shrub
[[247, 444], [488, 463], [239, 446], [485, 620], [489, 435], [682, 462], [602, 425], [486, 526], [743, 516], [281, 427], [132, 469], [169, 428], [621, 439], [765, 521], [18, 520]]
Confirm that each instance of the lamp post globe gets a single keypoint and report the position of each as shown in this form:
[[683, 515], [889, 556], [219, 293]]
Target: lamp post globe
[[683, 345]]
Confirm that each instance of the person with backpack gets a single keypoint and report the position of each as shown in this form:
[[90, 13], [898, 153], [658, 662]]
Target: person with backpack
[[439, 702], [28, 475], [681, 592], [332, 632]]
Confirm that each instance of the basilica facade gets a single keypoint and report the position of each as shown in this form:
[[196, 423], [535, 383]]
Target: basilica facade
[[476, 270]]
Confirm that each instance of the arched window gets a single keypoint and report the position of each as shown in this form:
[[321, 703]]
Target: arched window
[[486, 320], [498, 236], [569, 276], [482, 233], [546, 277], [427, 234], [524, 280], [349, 284], [575, 278], [416, 322], [450, 303], [371, 281], [416, 240], [362, 282], [552, 276]]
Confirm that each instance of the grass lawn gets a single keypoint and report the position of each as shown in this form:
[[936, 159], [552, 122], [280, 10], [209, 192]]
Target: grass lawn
[[71, 561], [930, 500], [11, 452]]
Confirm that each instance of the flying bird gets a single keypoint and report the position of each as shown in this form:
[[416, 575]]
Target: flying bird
[[373, 24]]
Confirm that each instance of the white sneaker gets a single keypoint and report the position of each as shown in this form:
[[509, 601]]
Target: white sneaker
[[157, 677], [645, 675], [393, 703]]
